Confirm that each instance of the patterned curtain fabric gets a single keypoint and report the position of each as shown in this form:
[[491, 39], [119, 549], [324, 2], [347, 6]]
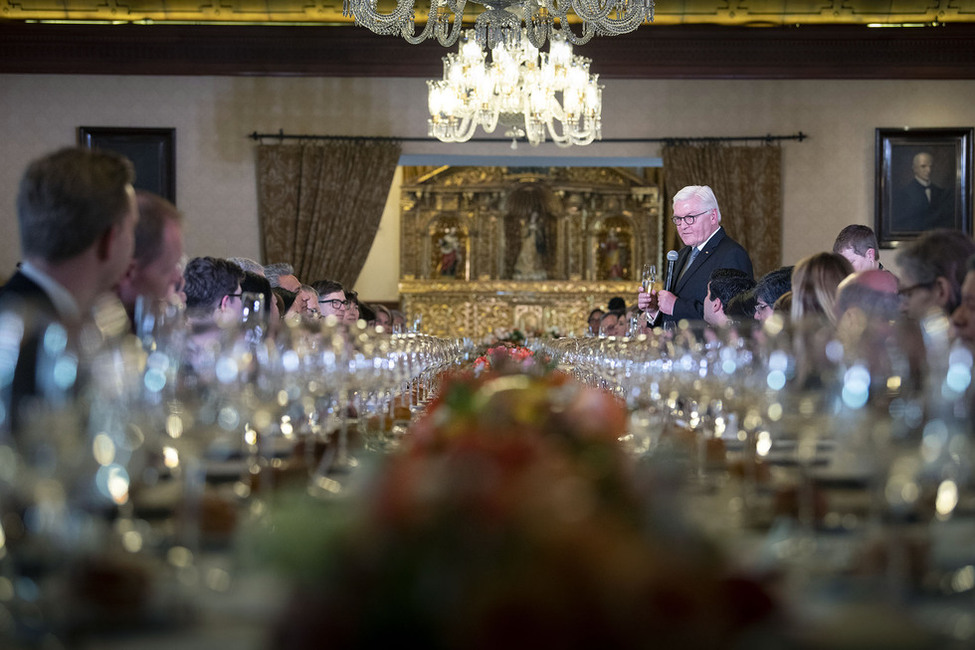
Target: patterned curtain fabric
[[747, 182], [320, 204]]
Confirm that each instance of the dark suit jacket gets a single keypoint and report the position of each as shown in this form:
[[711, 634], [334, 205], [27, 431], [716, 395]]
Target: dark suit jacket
[[721, 252], [911, 210], [22, 291], [25, 297]]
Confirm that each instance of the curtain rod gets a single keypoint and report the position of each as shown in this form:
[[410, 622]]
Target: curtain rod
[[282, 136]]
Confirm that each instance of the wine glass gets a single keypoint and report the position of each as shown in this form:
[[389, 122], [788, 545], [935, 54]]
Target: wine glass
[[649, 277], [253, 316]]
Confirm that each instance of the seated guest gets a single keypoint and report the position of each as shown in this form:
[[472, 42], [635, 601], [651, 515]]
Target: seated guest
[[306, 302], [351, 316], [213, 306], [616, 304], [279, 307], [868, 325], [858, 244], [814, 283], [783, 305], [742, 306], [156, 271], [595, 318], [384, 318], [282, 274], [723, 285], [768, 289], [247, 264], [399, 320], [932, 269], [77, 214], [331, 299], [613, 324], [367, 314], [287, 299], [258, 284], [213, 291], [871, 292], [963, 318]]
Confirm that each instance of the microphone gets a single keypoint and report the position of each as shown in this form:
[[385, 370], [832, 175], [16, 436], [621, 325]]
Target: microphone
[[671, 259]]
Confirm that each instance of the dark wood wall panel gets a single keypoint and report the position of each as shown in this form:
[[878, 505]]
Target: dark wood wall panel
[[651, 52]]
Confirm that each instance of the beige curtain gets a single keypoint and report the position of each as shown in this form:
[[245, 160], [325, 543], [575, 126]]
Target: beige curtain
[[747, 182], [320, 204]]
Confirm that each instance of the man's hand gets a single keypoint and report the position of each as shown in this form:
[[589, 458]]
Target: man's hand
[[666, 301], [647, 301]]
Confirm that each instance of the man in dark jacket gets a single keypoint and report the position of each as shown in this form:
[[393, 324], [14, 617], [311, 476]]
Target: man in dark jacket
[[706, 247]]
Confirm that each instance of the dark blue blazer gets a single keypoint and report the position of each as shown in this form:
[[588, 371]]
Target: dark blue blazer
[[721, 252]]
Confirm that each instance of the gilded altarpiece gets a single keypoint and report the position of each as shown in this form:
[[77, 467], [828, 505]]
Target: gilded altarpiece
[[471, 235]]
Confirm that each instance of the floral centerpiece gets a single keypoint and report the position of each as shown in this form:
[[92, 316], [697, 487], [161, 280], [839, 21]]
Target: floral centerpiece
[[511, 519], [504, 355], [517, 336]]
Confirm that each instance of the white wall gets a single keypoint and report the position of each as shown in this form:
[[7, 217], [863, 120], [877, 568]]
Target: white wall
[[828, 179]]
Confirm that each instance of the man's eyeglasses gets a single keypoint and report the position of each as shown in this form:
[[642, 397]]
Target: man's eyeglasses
[[689, 219], [235, 295], [906, 292], [335, 303]]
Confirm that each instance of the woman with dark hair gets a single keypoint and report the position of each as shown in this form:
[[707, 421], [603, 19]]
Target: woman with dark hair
[[595, 318]]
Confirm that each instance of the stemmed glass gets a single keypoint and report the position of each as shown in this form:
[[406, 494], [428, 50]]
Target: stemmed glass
[[45, 472], [67, 470], [649, 277], [337, 364], [253, 317]]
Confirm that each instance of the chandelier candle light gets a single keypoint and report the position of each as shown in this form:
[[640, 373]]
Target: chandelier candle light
[[502, 20], [532, 93]]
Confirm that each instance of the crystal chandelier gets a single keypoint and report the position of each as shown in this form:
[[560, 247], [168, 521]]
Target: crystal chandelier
[[530, 92], [504, 20]]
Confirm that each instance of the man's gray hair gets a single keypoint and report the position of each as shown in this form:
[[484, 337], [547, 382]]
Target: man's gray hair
[[273, 272], [937, 254], [704, 196], [247, 264]]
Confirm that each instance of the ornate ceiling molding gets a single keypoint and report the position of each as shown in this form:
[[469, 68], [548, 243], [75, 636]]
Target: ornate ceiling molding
[[654, 52], [325, 12]]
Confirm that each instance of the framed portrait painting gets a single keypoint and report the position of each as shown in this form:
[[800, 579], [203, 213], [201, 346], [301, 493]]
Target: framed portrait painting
[[152, 152], [924, 181]]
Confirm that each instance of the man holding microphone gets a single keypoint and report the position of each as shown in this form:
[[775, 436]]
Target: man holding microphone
[[706, 247]]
